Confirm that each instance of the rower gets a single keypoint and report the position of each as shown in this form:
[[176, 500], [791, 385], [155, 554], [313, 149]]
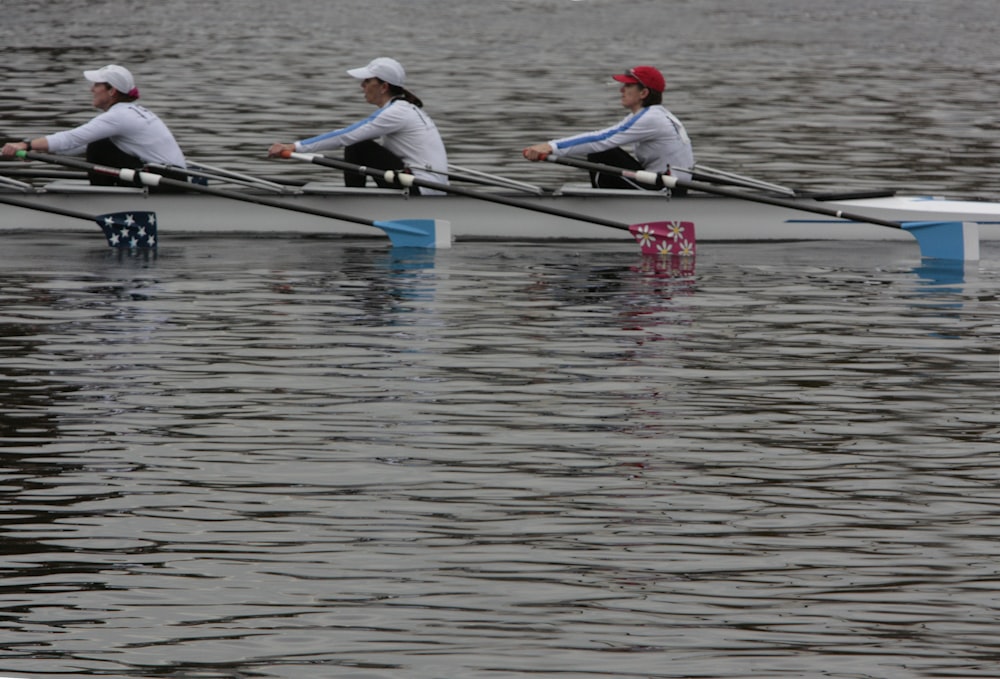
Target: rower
[[658, 137], [410, 139], [125, 134]]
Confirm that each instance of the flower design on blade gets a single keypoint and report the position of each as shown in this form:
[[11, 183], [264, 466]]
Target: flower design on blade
[[645, 236], [676, 230], [665, 248], [686, 248]]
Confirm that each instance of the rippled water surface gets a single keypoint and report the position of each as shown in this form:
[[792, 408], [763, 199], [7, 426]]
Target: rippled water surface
[[898, 93], [289, 458], [317, 458]]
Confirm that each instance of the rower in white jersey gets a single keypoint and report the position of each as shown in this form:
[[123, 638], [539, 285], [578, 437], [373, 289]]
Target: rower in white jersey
[[123, 135], [410, 139], [658, 139]]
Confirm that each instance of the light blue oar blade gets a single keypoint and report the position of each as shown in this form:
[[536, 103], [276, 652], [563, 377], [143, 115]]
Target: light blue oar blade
[[418, 233], [946, 240]]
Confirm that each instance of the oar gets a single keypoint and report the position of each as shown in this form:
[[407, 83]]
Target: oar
[[122, 229], [16, 184], [30, 172], [466, 174], [654, 238], [218, 175], [940, 240], [232, 174], [712, 175], [414, 233]]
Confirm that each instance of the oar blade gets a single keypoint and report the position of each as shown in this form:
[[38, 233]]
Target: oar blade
[[946, 240], [131, 230], [665, 238], [418, 233]]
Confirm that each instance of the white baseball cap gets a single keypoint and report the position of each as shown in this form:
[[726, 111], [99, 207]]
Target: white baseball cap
[[383, 68], [116, 76]]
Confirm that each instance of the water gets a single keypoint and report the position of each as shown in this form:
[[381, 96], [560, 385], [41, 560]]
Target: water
[[896, 93], [318, 457]]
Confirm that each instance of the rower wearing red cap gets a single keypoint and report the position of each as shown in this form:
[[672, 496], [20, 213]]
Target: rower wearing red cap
[[659, 141]]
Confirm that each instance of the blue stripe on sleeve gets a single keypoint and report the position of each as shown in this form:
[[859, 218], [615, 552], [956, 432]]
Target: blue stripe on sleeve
[[344, 130], [610, 132]]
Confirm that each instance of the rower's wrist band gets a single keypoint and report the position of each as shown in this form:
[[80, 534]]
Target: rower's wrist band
[[28, 144]]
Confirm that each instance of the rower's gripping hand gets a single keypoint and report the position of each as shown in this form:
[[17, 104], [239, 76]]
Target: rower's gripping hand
[[537, 151], [10, 150], [279, 150]]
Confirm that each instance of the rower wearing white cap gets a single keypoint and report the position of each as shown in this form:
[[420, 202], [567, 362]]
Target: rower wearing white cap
[[410, 139], [124, 134]]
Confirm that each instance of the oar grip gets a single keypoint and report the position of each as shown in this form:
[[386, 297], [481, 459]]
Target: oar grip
[[299, 155], [403, 178], [131, 176], [652, 178]]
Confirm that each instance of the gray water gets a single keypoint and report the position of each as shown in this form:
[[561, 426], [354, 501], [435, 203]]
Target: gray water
[[868, 93], [320, 457]]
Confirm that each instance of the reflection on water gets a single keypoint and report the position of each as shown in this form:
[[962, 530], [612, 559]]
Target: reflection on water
[[275, 457], [943, 272], [942, 282]]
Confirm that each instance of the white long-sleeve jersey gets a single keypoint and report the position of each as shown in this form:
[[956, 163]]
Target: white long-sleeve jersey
[[132, 128], [404, 128], [658, 138]]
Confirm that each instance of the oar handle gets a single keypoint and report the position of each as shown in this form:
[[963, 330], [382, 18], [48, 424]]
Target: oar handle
[[669, 181]]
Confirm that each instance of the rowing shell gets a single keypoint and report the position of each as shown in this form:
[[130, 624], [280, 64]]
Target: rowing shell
[[716, 218]]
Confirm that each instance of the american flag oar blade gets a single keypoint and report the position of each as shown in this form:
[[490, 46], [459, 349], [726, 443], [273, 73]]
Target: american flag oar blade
[[122, 229], [130, 230]]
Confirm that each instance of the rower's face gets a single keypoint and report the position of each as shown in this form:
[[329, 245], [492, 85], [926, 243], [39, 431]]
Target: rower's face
[[632, 95], [102, 97], [375, 91]]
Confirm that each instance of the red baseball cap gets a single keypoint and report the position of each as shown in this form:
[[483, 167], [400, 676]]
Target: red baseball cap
[[647, 76]]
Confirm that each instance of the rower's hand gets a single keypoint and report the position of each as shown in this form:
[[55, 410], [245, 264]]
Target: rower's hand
[[10, 149], [278, 150], [537, 152]]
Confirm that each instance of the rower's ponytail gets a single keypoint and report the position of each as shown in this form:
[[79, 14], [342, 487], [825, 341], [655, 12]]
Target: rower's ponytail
[[402, 93]]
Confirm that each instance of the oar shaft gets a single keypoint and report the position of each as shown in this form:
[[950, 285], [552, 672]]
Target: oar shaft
[[152, 179], [405, 179], [670, 182], [715, 176], [235, 175], [476, 176], [27, 204], [223, 177]]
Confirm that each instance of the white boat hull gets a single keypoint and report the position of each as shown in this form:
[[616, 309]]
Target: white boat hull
[[716, 218]]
